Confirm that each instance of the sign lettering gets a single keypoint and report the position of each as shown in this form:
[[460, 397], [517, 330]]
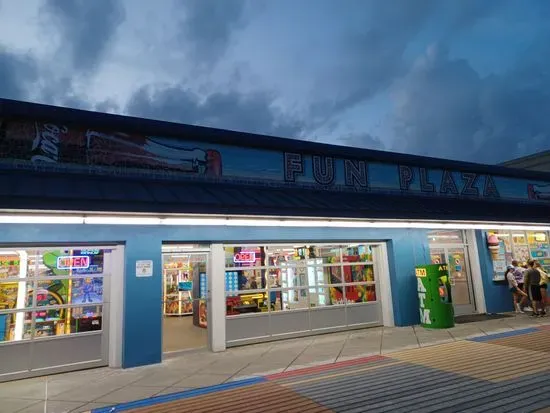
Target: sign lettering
[[42, 146], [73, 262], [244, 257], [424, 312]]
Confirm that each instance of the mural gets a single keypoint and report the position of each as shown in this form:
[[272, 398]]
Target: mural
[[48, 143], [54, 147], [539, 192]]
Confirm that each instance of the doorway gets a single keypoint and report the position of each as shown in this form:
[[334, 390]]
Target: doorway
[[185, 271], [448, 247]]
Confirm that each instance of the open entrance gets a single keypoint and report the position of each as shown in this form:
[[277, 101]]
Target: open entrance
[[184, 297], [450, 247]]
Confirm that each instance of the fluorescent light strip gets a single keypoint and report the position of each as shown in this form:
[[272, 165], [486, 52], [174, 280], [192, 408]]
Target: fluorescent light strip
[[40, 219], [262, 222], [99, 220]]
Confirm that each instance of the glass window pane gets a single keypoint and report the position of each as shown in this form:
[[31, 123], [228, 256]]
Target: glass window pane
[[92, 262], [294, 274], [51, 292], [9, 295], [242, 257], [9, 265], [67, 321], [538, 244], [237, 304], [329, 254], [87, 290], [519, 237], [84, 319], [67, 262], [357, 253], [243, 280], [292, 299], [333, 275], [359, 273], [280, 254], [324, 296], [50, 322], [446, 237], [15, 326], [360, 293]]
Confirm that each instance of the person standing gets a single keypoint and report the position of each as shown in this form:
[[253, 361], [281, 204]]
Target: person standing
[[532, 278], [518, 274], [543, 286], [514, 288]]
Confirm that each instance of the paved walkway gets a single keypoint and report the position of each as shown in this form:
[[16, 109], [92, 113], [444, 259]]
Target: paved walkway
[[372, 366]]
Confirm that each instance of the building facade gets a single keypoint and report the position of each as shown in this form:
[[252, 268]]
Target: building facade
[[536, 162], [124, 240]]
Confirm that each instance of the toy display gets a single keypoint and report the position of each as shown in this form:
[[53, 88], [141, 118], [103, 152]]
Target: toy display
[[52, 279]]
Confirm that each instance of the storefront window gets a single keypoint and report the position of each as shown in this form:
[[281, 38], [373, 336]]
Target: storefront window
[[300, 277], [359, 273], [446, 237], [61, 290], [245, 257], [523, 246], [360, 293]]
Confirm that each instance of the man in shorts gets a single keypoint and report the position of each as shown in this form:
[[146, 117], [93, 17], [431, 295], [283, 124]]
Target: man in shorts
[[531, 278]]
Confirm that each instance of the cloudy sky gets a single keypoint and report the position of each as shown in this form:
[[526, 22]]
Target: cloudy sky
[[461, 79]]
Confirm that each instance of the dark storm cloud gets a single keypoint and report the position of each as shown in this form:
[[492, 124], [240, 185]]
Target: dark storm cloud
[[87, 28], [207, 27], [17, 75], [253, 112], [361, 140], [371, 58], [445, 109]]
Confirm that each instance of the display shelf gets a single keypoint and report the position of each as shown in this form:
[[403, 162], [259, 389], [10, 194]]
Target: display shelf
[[177, 274]]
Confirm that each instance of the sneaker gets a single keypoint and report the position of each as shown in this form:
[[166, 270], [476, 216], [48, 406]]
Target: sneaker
[[527, 309]]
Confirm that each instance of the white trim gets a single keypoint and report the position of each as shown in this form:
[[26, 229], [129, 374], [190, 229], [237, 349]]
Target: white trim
[[475, 272], [216, 298], [116, 306], [382, 272], [90, 218]]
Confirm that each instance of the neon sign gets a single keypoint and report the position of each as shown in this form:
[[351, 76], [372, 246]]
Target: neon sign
[[73, 262], [244, 257]]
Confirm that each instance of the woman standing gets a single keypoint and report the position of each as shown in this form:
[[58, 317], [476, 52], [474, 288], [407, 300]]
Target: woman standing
[[517, 293]]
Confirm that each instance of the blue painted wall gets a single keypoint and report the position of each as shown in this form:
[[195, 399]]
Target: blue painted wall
[[142, 335], [497, 296]]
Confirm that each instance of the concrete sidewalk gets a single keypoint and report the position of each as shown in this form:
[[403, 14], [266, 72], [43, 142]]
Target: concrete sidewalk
[[86, 390]]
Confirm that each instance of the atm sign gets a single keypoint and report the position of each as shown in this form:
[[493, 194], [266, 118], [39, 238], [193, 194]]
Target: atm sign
[[73, 262], [244, 257]]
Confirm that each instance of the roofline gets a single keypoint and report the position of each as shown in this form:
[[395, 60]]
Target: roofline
[[130, 124], [525, 158]]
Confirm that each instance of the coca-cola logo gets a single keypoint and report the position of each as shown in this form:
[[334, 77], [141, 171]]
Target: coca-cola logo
[[45, 146]]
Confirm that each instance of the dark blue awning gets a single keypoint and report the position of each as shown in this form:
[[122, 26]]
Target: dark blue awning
[[40, 191]]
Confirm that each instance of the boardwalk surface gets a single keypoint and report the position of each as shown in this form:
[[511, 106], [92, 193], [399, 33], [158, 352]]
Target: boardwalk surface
[[506, 372]]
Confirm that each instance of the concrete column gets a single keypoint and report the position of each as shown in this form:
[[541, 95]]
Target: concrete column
[[216, 298]]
